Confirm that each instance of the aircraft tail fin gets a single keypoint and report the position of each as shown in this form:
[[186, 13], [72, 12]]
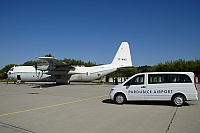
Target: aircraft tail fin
[[123, 56]]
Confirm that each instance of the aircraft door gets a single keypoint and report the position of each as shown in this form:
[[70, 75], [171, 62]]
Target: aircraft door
[[136, 87], [18, 77]]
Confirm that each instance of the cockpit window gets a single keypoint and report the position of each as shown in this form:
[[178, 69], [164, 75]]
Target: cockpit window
[[11, 69]]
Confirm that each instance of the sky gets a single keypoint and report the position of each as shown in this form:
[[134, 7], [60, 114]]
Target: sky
[[92, 30]]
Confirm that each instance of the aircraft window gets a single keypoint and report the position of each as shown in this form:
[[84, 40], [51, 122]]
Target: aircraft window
[[12, 69]]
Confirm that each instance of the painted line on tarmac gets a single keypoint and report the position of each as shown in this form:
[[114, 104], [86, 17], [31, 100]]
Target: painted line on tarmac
[[50, 106]]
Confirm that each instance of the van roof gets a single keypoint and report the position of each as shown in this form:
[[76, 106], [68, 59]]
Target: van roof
[[168, 73]]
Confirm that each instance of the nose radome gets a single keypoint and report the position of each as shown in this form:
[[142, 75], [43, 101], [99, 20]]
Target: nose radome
[[5, 75]]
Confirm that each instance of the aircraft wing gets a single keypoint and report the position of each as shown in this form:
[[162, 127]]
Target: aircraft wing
[[55, 64]]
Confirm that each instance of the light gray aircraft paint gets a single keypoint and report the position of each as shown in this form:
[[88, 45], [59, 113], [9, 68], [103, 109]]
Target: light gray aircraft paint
[[61, 72]]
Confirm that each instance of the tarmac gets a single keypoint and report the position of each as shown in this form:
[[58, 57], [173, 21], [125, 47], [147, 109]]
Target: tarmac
[[86, 108]]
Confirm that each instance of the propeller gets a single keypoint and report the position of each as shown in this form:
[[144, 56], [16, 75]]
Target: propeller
[[36, 68], [41, 67]]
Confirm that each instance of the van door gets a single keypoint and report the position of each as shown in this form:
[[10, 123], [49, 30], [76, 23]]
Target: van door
[[158, 87], [136, 87]]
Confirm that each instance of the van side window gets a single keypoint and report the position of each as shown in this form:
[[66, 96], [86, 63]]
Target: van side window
[[157, 78], [179, 78], [168, 78], [138, 80]]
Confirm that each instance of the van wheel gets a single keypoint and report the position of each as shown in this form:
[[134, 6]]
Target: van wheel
[[178, 100], [120, 98]]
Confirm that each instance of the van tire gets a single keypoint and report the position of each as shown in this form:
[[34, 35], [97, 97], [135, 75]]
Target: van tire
[[178, 100], [120, 98]]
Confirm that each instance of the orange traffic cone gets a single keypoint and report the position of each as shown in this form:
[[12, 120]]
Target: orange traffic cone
[[40, 87]]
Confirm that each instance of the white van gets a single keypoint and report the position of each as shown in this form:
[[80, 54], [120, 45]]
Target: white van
[[177, 87]]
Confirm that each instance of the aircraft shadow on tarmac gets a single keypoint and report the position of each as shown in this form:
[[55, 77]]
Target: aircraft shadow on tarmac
[[43, 85], [35, 85], [85, 83], [154, 103], [54, 84]]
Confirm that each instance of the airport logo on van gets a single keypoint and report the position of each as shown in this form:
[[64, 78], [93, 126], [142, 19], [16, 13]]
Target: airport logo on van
[[150, 91]]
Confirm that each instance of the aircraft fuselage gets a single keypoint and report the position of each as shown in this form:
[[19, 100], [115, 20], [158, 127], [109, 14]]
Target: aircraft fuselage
[[30, 74]]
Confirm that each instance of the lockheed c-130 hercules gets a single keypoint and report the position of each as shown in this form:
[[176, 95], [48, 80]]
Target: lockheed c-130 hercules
[[63, 73]]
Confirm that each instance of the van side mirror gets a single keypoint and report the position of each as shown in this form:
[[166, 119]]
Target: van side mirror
[[127, 87]]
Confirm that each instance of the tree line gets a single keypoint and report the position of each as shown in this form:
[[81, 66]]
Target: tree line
[[180, 65]]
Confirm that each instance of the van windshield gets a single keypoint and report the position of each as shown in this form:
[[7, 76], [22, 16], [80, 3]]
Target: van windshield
[[137, 80]]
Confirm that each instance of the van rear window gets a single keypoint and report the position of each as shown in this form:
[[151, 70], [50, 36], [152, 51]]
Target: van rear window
[[168, 78], [179, 78]]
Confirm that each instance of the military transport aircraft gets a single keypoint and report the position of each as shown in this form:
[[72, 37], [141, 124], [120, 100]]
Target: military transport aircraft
[[63, 73]]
